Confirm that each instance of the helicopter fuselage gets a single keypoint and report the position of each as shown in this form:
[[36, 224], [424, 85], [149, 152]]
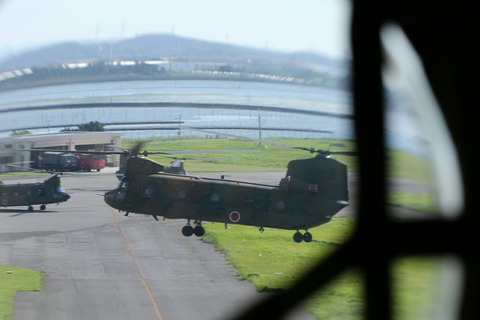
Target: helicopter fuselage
[[29, 194], [226, 201], [311, 193]]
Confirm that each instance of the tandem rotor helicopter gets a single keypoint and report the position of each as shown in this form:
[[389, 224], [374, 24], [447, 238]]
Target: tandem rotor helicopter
[[311, 193], [29, 194]]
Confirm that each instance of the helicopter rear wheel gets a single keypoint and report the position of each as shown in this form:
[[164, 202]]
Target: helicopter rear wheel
[[307, 237], [187, 230], [298, 237]]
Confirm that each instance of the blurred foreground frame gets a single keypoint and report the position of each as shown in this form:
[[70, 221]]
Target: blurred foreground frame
[[445, 35]]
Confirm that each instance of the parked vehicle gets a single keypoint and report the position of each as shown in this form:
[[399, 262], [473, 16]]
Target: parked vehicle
[[59, 161], [89, 162]]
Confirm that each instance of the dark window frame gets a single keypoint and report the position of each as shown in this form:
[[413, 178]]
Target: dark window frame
[[443, 35]]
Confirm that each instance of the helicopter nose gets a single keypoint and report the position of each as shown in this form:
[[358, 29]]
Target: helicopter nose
[[109, 197], [63, 196]]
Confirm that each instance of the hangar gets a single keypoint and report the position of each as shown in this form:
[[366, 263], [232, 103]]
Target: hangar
[[10, 147]]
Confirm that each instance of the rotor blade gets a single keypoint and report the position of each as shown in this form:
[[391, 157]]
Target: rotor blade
[[79, 151], [16, 163], [125, 152], [119, 148], [311, 150], [345, 153], [136, 150], [328, 152], [26, 169], [146, 152]]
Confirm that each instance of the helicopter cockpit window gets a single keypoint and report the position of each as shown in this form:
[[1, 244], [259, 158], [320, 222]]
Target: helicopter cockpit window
[[59, 189], [123, 184]]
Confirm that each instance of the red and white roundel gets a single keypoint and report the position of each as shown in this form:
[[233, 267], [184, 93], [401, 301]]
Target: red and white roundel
[[234, 216]]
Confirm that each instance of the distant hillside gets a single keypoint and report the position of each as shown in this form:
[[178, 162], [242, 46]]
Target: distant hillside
[[158, 57], [159, 46]]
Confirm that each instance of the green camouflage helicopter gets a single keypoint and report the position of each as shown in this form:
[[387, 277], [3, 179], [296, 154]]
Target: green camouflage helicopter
[[29, 194], [311, 193]]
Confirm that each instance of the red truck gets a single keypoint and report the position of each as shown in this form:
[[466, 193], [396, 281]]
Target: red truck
[[88, 162]]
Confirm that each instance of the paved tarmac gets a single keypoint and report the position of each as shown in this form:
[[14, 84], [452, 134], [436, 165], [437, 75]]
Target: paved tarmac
[[100, 264]]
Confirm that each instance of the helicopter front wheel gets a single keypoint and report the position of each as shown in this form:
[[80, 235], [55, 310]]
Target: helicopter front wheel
[[298, 237], [307, 237]]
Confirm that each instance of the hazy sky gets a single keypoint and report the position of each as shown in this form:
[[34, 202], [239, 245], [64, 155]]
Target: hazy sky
[[287, 25]]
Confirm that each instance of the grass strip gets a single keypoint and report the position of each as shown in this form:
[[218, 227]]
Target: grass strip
[[272, 261], [13, 279]]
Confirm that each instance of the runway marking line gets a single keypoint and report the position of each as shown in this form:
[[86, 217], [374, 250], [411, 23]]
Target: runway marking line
[[137, 269]]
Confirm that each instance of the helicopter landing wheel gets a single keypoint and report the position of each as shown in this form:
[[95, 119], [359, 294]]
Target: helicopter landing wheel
[[307, 237], [298, 237], [199, 230], [187, 230], [43, 207]]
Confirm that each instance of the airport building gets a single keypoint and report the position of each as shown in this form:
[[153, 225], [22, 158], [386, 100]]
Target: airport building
[[12, 158]]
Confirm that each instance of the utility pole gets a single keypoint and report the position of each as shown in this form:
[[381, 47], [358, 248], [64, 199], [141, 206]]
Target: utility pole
[[179, 125], [259, 128]]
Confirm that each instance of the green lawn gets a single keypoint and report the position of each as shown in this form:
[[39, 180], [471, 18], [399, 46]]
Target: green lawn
[[13, 279], [271, 261]]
